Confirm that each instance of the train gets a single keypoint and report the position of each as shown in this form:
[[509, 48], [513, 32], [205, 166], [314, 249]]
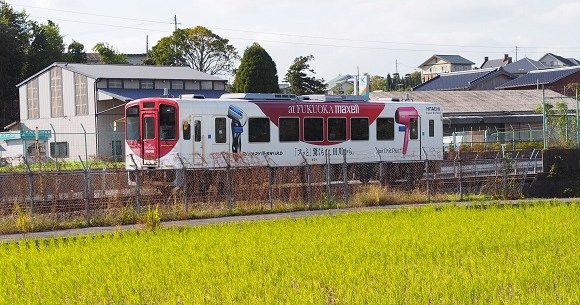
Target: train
[[278, 130]]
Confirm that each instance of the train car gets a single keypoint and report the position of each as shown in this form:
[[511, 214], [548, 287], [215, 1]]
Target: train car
[[279, 129]]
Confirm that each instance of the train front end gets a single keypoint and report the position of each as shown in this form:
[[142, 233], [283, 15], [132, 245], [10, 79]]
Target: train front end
[[151, 136]]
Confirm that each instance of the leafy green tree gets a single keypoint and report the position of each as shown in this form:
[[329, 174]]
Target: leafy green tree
[[257, 72], [389, 83], [300, 82], [47, 47], [14, 43], [198, 48], [76, 52], [109, 55], [377, 83]]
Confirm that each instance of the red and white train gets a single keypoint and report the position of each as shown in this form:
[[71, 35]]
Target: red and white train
[[280, 129]]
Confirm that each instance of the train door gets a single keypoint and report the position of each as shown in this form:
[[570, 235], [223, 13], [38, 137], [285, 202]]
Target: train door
[[414, 145], [150, 136], [198, 141]]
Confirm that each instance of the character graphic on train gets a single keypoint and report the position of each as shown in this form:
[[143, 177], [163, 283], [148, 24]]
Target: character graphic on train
[[239, 119]]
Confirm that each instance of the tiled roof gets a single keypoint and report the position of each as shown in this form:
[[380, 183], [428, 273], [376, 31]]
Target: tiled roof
[[487, 102], [540, 77], [523, 66], [494, 63], [452, 59], [458, 80], [565, 61]]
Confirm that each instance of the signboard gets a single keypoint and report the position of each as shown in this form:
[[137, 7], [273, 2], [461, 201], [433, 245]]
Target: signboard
[[26, 135]]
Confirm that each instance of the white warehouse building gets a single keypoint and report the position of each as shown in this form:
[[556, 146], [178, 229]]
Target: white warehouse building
[[76, 107]]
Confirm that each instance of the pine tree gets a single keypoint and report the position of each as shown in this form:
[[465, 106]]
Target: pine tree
[[300, 82]]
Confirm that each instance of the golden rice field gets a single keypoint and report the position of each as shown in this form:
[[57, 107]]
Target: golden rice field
[[451, 255]]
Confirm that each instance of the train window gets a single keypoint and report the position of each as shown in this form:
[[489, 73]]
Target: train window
[[259, 129], [220, 130], [289, 129], [197, 131], [414, 134], [336, 129], [132, 123], [385, 129], [313, 129], [431, 128], [186, 130], [167, 122], [148, 128], [359, 128]]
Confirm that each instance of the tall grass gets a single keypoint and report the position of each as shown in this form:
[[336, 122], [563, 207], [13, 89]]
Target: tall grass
[[450, 255]]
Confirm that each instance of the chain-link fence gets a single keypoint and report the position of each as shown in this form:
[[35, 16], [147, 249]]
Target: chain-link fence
[[235, 187]]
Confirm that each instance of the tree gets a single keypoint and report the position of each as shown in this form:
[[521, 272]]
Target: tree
[[377, 83], [300, 82], [14, 35], [76, 52], [109, 55], [257, 72], [198, 48], [47, 47], [389, 83]]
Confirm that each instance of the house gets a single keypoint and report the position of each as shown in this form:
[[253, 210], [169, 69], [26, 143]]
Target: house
[[76, 107], [551, 60], [553, 79], [496, 63], [481, 79], [340, 85], [485, 110], [523, 66], [437, 64]]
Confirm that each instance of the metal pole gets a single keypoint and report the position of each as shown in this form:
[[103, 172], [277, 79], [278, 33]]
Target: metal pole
[[137, 185], [184, 183], [544, 127], [229, 182], [328, 190], [30, 186], [381, 178], [427, 175], [55, 147], [577, 121], [86, 152], [86, 190], [345, 176], [460, 181], [270, 183]]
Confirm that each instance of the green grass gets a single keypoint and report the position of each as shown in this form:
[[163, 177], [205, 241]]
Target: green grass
[[452, 255]]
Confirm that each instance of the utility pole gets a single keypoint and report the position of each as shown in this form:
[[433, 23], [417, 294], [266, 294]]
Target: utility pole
[[175, 21], [396, 66], [516, 53]]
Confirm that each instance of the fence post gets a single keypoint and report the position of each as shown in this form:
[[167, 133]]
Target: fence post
[[345, 177], [86, 190], [427, 175], [505, 175], [460, 180], [86, 147], [30, 186], [381, 171], [328, 189], [184, 183], [137, 185], [55, 148], [308, 181], [229, 183], [270, 183]]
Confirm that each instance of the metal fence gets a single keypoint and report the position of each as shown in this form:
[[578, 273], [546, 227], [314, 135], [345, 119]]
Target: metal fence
[[87, 192]]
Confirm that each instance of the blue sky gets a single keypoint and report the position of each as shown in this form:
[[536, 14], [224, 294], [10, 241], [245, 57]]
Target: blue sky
[[342, 35]]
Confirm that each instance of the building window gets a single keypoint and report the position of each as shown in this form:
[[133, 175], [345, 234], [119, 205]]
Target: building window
[[147, 84], [115, 83], [162, 84], [219, 86], [259, 130], [131, 84], [289, 129], [206, 85], [359, 128], [414, 134], [33, 151], [385, 129], [32, 99], [177, 84], [56, 92], [192, 85], [59, 149], [81, 95]]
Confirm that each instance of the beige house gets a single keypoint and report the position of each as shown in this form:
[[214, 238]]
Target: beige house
[[437, 64]]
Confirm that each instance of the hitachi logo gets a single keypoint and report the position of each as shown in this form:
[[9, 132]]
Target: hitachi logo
[[433, 108]]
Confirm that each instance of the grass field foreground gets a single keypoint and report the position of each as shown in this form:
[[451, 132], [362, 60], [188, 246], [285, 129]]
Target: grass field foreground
[[449, 255]]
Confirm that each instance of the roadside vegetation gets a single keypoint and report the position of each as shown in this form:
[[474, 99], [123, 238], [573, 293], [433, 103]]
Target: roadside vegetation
[[476, 254]]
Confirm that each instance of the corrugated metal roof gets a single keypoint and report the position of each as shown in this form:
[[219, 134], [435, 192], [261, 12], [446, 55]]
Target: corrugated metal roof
[[524, 65], [133, 94], [540, 77], [487, 102], [458, 80], [130, 72]]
